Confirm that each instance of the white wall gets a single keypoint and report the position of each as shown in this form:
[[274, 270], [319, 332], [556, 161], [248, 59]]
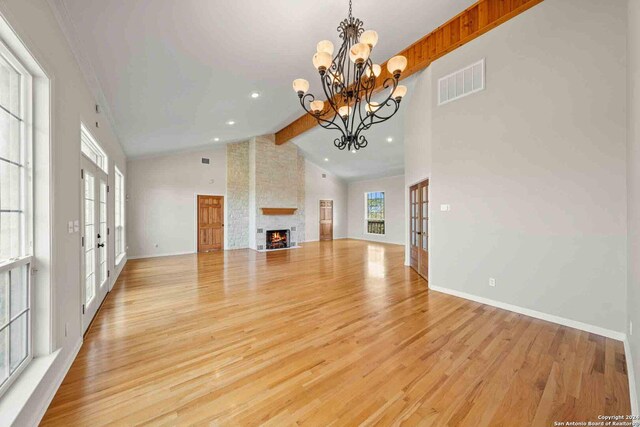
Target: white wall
[[318, 188], [534, 166], [161, 200], [71, 103], [393, 188], [417, 142], [633, 187]]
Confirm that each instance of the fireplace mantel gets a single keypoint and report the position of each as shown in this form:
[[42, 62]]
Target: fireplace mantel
[[278, 211]]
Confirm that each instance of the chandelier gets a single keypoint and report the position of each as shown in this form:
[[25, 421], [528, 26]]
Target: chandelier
[[348, 81]]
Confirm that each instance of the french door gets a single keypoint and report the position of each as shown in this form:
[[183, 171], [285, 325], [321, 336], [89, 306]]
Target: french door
[[94, 271], [419, 227]]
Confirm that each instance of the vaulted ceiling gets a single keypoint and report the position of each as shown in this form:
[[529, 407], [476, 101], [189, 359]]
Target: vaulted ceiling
[[173, 73]]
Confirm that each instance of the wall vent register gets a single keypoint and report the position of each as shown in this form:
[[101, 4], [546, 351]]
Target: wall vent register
[[461, 83]]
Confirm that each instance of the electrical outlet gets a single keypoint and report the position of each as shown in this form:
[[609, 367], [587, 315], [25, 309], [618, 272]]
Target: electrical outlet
[[492, 282]]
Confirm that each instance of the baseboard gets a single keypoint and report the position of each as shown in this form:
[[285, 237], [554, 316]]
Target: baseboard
[[160, 255], [620, 336], [633, 391], [317, 240], [375, 241], [55, 385]]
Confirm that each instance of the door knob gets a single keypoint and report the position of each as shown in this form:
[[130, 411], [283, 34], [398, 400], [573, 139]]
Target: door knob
[[101, 245]]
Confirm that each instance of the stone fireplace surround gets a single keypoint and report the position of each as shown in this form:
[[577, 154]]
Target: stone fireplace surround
[[261, 174]]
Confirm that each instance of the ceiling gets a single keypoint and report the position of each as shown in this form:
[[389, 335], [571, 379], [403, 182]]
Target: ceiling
[[173, 73]]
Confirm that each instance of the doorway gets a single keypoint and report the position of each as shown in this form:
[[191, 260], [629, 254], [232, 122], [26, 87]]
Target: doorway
[[419, 227], [94, 268], [326, 220], [210, 223]]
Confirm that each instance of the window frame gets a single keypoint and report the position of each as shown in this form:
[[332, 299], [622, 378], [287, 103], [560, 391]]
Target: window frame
[[119, 208], [26, 259], [87, 139], [366, 213]]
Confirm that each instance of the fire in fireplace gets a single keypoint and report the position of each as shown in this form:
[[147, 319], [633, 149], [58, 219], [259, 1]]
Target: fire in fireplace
[[277, 239]]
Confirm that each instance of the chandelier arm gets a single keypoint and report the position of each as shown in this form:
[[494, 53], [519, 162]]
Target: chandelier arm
[[328, 124], [378, 118]]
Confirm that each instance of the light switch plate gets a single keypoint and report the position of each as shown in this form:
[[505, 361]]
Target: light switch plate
[[445, 208], [76, 225], [70, 227]]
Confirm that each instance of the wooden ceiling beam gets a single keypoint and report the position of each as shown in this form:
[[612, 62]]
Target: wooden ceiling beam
[[464, 27]]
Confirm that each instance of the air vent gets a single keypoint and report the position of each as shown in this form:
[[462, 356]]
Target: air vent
[[260, 230], [461, 83], [205, 161], [261, 247], [324, 175], [294, 228]]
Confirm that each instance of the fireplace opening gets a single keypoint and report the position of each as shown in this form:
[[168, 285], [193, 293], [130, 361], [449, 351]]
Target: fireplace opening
[[277, 239]]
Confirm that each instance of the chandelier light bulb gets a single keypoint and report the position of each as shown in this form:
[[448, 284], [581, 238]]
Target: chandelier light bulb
[[325, 46], [344, 111], [359, 53], [300, 86], [317, 106], [399, 92], [374, 70], [396, 65], [322, 61], [370, 38]]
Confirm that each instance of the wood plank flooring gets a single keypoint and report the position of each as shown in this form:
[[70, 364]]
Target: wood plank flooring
[[335, 333]]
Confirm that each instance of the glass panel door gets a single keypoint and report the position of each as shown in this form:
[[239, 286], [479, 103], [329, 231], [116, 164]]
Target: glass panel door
[[94, 257], [102, 234], [89, 234]]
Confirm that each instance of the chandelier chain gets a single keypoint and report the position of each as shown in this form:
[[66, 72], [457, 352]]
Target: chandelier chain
[[350, 10]]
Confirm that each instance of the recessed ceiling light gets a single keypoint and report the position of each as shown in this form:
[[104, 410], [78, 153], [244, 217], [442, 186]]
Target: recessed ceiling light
[[353, 151], [255, 95], [216, 139], [389, 139], [231, 122], [326, 160]]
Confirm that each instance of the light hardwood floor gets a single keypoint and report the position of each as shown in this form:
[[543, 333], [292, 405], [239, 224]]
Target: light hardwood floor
[[336, 332]]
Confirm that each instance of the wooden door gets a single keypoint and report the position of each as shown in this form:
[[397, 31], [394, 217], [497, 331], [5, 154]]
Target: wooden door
[[210, 223], [326, 219], [419, 227], [414, 226], [423, 251]]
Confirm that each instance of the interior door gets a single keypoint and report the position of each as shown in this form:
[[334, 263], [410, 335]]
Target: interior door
[[414, 226], [423, 252], [94, 266], [326, 219], [210, 223]]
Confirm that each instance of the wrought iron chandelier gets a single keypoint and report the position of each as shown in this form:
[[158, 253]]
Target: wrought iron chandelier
[[348, 82]]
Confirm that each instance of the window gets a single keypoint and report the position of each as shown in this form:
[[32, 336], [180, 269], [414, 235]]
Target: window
[[374, 205], [92, 150], [15, 218], [119, 215]]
